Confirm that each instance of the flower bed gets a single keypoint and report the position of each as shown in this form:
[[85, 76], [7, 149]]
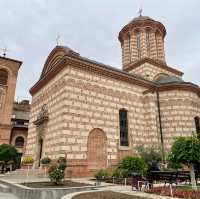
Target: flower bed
[[177, 192], [52, 185], [105, 195]]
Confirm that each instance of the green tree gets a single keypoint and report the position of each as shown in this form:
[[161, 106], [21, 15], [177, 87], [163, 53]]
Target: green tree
[[132, 164], [8, 153], [151, 157], [186, 150]]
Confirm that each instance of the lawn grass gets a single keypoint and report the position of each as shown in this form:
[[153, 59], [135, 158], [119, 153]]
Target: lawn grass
[[186, 187]]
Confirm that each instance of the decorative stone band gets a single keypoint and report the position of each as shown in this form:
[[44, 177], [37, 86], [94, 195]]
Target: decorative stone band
[[175, 86], [159, 64], [5, 126], [141, 24], [184, 86]]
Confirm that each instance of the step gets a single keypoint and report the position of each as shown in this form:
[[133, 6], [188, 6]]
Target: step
[[4, 188]]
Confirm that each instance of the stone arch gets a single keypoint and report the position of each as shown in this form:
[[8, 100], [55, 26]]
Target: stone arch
[[160, 75], [19, 141], [97, 150]]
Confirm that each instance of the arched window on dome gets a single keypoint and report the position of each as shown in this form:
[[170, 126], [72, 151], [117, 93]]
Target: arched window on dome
[[148, 42], [129, 45], [3, 77], [138, 37], [123, 123], [197, 125], [19, 141], [157, 35]]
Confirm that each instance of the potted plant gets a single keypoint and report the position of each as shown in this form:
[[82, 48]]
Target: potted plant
[[2, 165], [45, 164], [27, 162], [10, 165]]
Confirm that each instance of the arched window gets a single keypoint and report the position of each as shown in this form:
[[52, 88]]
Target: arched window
[[157, 35], [129, 45], [197, 125], [3, 77], [19, 142], [123, 123], [138, 44], [148, 42]]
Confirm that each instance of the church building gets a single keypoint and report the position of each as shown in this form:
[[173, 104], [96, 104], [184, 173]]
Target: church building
[[94, 114], [8, 78]]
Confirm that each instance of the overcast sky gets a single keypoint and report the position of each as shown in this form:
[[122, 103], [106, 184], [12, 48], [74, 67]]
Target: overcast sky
[[29, 29]]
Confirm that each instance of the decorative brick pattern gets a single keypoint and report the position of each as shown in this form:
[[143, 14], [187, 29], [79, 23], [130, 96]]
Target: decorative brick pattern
[[84, 98], [7, 93]]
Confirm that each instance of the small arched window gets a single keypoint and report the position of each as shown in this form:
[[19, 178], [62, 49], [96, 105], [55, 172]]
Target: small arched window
[[129, 45], [197, 125], [123, 123], [148, 42], [157, 43], [3, 77], [19, 141], [138, 44]]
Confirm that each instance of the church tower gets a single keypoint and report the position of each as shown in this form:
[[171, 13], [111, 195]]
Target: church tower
[[8, 77], [142, 38]]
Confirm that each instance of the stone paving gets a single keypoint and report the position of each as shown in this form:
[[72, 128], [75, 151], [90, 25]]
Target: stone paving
[[7, 196], [122, 189]]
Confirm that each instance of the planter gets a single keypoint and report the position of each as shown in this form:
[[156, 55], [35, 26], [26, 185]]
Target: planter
[[45, 168]]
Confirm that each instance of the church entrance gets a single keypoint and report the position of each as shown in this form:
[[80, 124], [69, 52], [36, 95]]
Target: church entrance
[[40, 149], [97, 150]]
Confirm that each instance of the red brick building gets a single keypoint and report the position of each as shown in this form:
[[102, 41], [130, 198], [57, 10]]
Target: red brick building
[[8, 78]]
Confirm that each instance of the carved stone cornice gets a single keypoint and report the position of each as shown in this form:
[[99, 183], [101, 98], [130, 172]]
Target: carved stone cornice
[[159, 64], [42, 117]]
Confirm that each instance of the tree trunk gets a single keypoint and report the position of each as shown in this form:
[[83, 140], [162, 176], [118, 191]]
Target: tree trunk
[[192, 177]]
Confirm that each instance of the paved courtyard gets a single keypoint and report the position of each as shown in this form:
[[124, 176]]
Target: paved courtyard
[[7, 196]]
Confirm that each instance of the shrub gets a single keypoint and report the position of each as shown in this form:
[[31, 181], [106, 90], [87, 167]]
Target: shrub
[[2, 163], [45, 160], [151, 157], [7, 153], [101, 174], [52, 167], [11, 162], [120, 173], [27, 160], [57, 170], [133, 164], [56, 176], [62, 160]]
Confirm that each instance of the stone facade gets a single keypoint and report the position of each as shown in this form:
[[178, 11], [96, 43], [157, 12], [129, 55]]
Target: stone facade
[[76, 102], [8, 77], [20, 120]]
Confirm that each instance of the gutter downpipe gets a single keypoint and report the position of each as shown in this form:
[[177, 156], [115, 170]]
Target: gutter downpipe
[[160, 126]]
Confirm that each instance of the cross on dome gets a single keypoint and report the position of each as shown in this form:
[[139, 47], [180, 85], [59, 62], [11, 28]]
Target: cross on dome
[[140, 12]]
